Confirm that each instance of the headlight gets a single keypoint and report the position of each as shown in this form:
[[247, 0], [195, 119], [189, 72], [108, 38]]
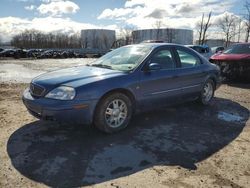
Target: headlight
[[62, 93]]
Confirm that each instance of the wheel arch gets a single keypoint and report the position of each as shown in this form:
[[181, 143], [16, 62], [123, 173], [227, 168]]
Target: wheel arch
[[213, 78], [124, 91]]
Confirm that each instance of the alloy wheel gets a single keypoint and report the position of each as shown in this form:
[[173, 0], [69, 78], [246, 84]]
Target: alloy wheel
[[116, 113]]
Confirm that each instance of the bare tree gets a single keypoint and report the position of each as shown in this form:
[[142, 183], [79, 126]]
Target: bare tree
[[200, 28], [126, 34], [158, 25], [227, 24], [206, 26], [37, 39], [247, 19], [203, 27], [239, 29]]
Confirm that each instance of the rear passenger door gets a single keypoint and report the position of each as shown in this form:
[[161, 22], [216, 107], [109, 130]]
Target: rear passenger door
[[191, 71]]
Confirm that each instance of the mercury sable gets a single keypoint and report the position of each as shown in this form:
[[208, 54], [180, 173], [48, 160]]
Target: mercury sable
[[130, 79]]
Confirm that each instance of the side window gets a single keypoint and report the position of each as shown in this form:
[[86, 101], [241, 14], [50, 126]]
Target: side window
[[187, 59], [164, 59]]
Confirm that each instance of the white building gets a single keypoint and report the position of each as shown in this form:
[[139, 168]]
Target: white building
[[179, 36], [101, 39]]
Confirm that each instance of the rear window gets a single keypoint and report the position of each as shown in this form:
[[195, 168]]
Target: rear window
[[238, 49], [188, 60]]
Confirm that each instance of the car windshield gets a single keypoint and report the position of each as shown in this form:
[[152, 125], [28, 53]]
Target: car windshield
[[238, 49], [123, 59]]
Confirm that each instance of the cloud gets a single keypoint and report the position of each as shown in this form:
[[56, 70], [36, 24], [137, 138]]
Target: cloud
[[133, 3], [10, 26], [116, 13], [58, 7], [172, 13], [158, 14], [31, 7]]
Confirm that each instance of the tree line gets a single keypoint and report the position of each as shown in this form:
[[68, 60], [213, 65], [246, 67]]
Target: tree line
[[230, 26], [38, 39]]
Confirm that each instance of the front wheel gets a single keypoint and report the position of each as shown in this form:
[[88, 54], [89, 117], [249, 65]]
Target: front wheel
[[207, 92], [113, 113]]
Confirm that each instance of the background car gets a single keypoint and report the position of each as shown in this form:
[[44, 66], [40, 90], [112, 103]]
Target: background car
[[125, 81], [202, 49], [217, 49], [7, 53], [234, 61]]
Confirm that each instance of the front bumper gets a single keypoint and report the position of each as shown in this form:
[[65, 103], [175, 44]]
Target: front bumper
[[72, 111], [234, 69]]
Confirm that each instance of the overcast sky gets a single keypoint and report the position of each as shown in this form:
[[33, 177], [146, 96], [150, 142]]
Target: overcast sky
[[71, 16]]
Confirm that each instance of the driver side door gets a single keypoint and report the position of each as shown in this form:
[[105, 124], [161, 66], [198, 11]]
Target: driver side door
[[159, 87]]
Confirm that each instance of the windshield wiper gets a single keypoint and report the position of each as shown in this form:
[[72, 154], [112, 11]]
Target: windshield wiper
[[100, 65]]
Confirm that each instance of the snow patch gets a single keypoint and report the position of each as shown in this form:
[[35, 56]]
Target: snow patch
[[17, 73]]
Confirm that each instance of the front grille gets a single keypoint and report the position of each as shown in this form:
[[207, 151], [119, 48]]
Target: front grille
[[36, 90]]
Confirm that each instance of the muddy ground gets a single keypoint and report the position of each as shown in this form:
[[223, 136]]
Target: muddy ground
[[183, 146]]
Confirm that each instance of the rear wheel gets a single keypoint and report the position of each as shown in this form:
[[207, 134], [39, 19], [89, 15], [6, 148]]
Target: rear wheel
[[207, 92], [113, 113]]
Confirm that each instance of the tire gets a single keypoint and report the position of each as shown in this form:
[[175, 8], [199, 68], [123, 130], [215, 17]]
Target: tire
[[113, 113], [207, 92]]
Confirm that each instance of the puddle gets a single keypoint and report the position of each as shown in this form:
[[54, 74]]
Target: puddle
[[114, 161], [229, 117], [17, 73]]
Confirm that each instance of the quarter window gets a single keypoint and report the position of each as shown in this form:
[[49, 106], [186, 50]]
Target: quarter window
[[187, 59], [164, 59]]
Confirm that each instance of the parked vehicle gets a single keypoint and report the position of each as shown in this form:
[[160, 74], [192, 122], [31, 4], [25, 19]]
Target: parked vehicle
[[33, 53], [234, 62], [42, 53], [48, 54], [202, 49], [125, 81], [217, 49], [152, 41], [20, 53], [7, 53]]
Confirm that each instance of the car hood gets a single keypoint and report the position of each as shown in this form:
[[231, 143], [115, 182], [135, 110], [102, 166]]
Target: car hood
[[74, 75], [230, 57]]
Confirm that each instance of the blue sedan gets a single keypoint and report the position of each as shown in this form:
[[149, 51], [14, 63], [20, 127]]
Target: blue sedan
[[130, 79]]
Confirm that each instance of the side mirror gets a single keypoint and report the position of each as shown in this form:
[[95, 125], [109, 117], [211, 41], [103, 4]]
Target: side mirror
[[153, 67]]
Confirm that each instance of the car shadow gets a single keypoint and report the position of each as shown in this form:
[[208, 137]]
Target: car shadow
[[243, 84], [239, 85], [74, 155]]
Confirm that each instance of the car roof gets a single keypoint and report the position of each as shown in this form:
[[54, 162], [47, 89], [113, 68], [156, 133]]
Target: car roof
[[200, 46], [155, 45]]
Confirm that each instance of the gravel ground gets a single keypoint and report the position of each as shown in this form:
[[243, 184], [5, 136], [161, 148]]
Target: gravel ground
[[183, 146]]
